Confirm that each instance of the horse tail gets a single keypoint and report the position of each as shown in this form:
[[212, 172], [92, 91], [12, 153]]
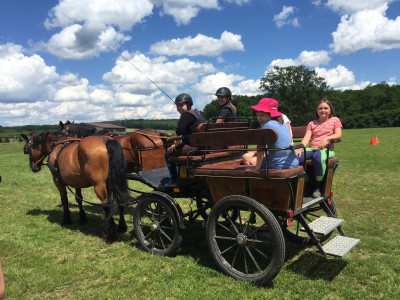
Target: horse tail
[[117, 184]]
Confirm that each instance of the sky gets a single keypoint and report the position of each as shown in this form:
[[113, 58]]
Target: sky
[[102, 60]]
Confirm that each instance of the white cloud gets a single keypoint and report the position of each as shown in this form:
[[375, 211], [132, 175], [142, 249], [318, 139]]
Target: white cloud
[[307, 58], [354, 6], [283, 18], [184, 10], [366, 29], [121, 13], [341, 78], [199, 45], [169, 75], [24, 78], [79, 42], [86, 23]]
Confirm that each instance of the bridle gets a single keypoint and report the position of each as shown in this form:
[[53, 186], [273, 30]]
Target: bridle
[[28, 150]]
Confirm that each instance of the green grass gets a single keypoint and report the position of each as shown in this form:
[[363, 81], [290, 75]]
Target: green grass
[[44, 260]]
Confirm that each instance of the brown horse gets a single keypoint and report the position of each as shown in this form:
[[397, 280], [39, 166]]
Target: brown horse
[[143, 149], [81, 163]]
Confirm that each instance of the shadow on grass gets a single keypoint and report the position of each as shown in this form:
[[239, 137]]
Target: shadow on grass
[[94, 225], [316, 266]]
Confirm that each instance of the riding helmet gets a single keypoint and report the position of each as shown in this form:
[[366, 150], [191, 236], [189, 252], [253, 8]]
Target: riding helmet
[[224, 92], [183, 98]]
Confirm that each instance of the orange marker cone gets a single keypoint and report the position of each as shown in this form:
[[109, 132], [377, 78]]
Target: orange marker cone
[[372, 142], [376, 140]]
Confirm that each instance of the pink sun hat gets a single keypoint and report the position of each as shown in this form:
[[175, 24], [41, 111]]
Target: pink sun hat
[[268, 105]]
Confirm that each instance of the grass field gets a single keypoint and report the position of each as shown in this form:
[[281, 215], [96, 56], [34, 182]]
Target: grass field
[[44, 260]]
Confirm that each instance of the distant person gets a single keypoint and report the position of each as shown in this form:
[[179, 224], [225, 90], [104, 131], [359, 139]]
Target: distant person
[[269, 117], [227, 111], [319, 132], [188, 122], [2, 282]]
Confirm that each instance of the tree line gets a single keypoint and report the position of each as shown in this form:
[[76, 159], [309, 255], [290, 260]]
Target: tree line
[[298, 90]]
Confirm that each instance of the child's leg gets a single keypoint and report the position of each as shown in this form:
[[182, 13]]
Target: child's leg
[[319, 159]]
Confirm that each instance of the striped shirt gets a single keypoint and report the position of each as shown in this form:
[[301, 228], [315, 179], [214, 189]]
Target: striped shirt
[[321, 130]]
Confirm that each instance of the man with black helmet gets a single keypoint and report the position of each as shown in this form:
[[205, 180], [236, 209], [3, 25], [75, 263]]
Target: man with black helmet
[[227, 112], [187, 124]]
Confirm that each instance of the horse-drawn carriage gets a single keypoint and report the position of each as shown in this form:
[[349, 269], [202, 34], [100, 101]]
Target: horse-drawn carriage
[[248, 213]]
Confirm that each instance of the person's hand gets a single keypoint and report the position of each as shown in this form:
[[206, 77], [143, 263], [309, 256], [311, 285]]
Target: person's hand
[[323, 144], [298, 152]]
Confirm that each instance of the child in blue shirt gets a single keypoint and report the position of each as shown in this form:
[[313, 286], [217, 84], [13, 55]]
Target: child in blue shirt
[[268, 115]]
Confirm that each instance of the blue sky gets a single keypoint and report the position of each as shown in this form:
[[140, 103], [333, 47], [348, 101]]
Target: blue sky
[[59, 60]]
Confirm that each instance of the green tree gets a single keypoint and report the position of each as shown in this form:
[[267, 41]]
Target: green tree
[[297, 90]]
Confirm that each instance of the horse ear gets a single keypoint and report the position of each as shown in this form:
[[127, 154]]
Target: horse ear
[[62, 124], [25, 137]]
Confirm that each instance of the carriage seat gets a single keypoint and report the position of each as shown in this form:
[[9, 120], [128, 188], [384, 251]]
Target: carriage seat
[[263, 136], [298, 134], [211, 156], [233, 168]]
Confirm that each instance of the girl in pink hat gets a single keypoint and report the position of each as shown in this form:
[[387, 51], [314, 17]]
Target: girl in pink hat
[[269, 117], [319, 132]]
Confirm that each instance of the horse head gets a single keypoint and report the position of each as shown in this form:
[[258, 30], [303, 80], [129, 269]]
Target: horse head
[[37, 146]]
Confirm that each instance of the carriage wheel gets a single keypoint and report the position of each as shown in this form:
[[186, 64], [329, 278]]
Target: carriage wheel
[[293, 232], [156, 226], [250, 247], [205, 207]]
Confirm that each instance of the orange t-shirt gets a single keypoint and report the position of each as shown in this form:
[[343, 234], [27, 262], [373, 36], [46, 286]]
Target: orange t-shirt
[[321, 130]]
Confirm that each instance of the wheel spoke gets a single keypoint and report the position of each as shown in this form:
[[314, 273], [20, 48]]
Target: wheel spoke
[[252, 258], [234, 258], [233, 224], [224, 238], [224, 227], [260, 252], [229, 248], [245, 262], [162, 241], [165, 234]]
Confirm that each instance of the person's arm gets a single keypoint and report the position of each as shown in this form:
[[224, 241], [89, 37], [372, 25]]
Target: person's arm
[[337, 134], [306, 139], [290, 132], [2, 282], [260, 158]]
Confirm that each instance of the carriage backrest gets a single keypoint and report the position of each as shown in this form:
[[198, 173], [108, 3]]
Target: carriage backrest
[[210, 127], [220, 139], [299, 132]]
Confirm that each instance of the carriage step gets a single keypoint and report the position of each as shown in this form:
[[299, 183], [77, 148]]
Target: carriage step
[[340, 245], [308, 202], [323, 225]]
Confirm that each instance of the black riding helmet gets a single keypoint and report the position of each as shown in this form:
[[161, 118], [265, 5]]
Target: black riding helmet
[[224, 92], [183, 98]]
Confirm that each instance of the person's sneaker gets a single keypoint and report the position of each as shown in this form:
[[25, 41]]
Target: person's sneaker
[[316, 193], [317, 190]]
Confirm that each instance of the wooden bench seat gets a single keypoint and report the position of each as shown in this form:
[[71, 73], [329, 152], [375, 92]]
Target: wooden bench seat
[[210, 156], [233, 168]]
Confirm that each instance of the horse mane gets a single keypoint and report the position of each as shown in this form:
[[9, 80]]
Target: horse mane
[[82, 130], [39, 139]]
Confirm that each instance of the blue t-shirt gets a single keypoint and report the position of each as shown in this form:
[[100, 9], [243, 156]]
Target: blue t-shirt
[[281, 159]]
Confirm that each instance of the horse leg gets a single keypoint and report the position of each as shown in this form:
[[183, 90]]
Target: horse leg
[[122, 227], [78, 198], [110, 227], [64, 201]]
